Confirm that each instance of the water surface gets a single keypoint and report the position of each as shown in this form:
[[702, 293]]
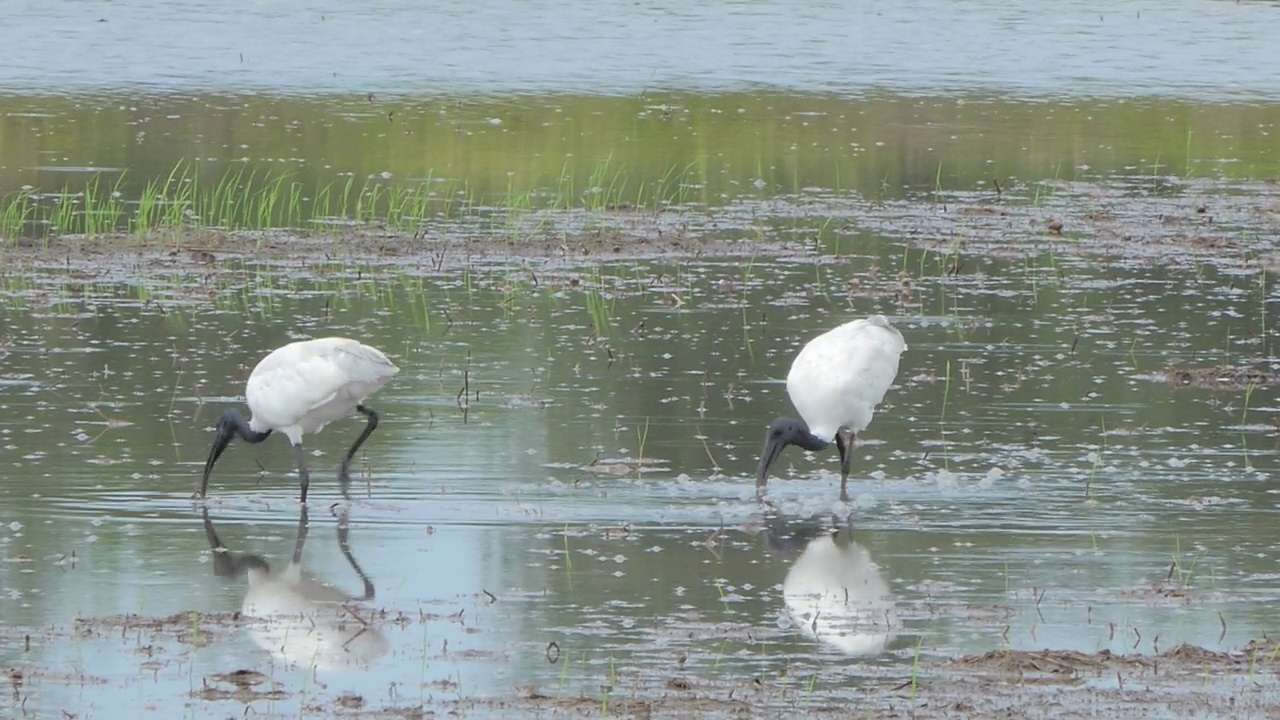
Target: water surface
[[1027, 485], [1200, 49], [559, 501]]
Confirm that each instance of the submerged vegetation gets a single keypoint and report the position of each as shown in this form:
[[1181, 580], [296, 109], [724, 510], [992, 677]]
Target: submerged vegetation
[[539, 167], [243, 200]]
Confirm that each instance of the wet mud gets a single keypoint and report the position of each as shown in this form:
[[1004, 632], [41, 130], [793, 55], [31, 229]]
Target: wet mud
[[1169, 220], [1182, 682]]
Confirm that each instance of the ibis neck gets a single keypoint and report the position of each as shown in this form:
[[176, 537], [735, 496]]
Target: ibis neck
[[245, 429], [809, 441]]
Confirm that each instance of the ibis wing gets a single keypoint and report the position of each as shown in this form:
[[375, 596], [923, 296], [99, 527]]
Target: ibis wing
[[838, 378], [362, 363], [282, 396], [308, 384]]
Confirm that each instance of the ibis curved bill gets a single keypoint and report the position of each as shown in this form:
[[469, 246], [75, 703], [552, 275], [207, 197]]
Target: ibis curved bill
[[835, 383], [298, 389]]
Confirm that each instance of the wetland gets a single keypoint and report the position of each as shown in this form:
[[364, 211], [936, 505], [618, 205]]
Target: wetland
[[593, 278]]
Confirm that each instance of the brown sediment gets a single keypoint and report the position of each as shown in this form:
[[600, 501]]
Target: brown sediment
[[1200, 220], [1052, 662], [1183, 682], [1220, 376], [187, 628]]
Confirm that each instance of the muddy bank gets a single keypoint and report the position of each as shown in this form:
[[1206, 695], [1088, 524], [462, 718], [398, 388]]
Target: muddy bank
[[1164, 220], [619, 235], [1150, 219], [1184, 681]]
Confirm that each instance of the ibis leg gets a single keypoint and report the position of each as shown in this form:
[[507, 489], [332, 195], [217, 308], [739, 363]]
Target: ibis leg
[[304, 478], [846, 454], [345, 473], [303, 526]]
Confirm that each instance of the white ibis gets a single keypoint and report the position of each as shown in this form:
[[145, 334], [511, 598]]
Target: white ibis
[[835, 383], [298, 389]]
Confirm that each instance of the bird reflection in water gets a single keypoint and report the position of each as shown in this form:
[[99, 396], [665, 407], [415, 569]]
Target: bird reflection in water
[[833, 592], [295, 616]]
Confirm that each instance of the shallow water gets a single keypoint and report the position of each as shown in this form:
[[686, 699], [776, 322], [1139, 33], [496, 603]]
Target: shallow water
[[1050, 494], [560, 494], [333, 160], [1204, 49], [326, 153]]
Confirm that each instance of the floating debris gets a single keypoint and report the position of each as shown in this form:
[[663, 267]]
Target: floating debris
[[1222, 376], [1052, 662]]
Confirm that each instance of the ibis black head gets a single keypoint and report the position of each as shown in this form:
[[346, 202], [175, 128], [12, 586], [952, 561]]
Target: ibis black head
[[229, 425], [783, 432]]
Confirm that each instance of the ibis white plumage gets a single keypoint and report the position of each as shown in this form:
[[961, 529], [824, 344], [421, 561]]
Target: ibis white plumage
[[835, 384], [298, 389]]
